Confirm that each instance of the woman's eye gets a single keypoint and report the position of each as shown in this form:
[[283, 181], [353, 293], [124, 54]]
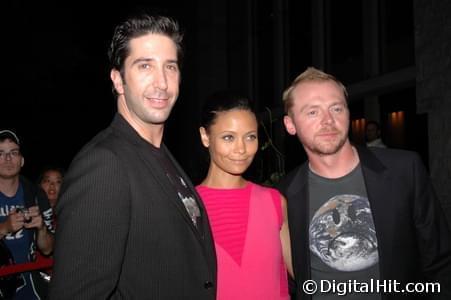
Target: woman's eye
[[252, 137], [227, 138]]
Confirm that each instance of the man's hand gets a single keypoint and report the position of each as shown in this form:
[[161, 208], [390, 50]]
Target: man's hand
[[33, 218], [14, 222]]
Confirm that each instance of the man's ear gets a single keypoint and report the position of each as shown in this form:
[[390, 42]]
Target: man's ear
[[289, 125], [204, 137], [22, 161], [116, 78]]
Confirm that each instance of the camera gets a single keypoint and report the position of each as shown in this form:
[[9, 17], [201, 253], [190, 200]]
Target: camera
[[25, 213]]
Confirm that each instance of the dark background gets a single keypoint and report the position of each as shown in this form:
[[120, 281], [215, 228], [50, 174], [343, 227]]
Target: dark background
[[57, 92], [56, 87]]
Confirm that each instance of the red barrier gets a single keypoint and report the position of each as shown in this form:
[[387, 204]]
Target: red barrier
[[42, 263]]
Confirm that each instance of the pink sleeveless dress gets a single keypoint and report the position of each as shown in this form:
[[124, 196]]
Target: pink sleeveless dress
[[246, 225]]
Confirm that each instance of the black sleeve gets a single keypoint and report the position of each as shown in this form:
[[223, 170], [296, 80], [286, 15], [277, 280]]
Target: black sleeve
[[45, 209], [34, 195], [93, 222], [433, 231]]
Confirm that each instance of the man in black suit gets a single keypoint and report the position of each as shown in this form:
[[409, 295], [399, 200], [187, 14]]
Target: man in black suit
[[130, 224], [364, 222]]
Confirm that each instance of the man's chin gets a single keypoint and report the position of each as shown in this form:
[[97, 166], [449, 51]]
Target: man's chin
[[327, 149]]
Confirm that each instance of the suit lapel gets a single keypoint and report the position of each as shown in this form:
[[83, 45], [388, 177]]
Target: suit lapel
[[204, 220], [121, 127], [167, 190], [298, 218], [202, 231], [166, 186], [381, 197]]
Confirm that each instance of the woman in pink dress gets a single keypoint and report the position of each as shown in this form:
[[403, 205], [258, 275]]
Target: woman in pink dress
[[249, 221]]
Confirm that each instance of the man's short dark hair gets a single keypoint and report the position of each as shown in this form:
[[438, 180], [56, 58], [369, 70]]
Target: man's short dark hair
[[138, 26]]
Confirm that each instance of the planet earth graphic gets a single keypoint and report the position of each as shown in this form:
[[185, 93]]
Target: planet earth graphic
[[342, 234]]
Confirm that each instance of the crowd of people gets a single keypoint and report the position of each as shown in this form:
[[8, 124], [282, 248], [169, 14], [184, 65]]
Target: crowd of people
[[129, 223], [26, 218]]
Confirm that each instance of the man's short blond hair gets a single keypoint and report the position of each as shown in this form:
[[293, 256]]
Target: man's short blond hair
[[310, 74]]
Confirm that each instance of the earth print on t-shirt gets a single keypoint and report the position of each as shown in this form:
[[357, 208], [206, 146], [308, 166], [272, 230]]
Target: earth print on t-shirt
[[342, 233]]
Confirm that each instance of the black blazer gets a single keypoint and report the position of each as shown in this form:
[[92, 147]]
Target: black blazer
[[122, 232], [414, 239]]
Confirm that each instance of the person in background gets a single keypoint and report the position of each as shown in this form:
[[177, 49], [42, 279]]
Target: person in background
[[25, 213], [50, 180], [130, 223], [357, 214], [249, 221], [373, 135]]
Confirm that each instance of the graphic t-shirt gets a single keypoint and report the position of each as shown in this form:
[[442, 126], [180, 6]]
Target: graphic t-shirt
[[342, 235], [185, 194], [19, 243]]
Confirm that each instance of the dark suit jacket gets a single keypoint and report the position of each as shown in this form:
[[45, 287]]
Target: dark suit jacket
[[123, 232], [414, 240]]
